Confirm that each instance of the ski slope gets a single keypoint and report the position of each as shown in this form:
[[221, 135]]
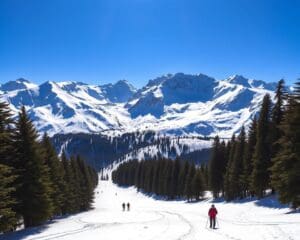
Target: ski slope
[[155, 219]]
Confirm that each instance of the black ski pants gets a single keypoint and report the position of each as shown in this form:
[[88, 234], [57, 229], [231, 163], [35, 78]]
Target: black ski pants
[[212, 221]]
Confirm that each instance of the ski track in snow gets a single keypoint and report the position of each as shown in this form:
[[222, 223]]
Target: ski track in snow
[[151, 219]]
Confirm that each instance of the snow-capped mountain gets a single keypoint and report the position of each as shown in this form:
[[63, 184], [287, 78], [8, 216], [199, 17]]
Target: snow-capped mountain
[[180, 104], [121, 91], [18, 84]]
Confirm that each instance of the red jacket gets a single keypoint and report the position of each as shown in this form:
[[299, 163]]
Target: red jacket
[[212, 212]]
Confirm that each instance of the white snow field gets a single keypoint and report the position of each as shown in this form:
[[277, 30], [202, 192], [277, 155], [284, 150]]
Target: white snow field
[[150, 218]]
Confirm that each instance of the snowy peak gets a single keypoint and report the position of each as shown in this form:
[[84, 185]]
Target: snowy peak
[[183, 88], [18, 84], [239, 79], [167, 90], [251, 83], [119, 92]]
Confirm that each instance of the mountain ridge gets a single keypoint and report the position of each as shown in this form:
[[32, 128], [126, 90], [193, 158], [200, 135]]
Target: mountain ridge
[[179, 104]]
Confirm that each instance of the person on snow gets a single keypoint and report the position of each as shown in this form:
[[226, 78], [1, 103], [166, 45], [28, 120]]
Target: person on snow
[[128, 206], [123, 206], [212, 213]]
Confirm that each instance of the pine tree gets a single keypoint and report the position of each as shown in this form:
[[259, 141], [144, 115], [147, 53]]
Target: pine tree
[[175, 178], [204, 169], [229, 194], [276, 117], [286, 164], [165, 170], [261, 160], [215, 168], [137, 177], [149, 176], [247, 158], [7, 150], [168, 179], [237, 165], [182, 178], [188, 183], [86, 185], [162, 177], [70, 191], [56, 173], [76, 184], [155, 179], [8, 218], [34, 191], [222, 164], [197, 185]]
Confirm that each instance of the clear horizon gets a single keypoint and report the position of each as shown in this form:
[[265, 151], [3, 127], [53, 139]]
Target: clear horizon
[[100, 42]]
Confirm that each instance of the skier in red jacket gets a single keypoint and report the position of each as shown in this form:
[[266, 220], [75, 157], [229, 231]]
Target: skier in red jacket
[[212, 213]]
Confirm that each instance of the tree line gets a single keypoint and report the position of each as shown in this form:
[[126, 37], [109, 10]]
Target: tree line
[[35, 184], [266, 158], [164, 177]]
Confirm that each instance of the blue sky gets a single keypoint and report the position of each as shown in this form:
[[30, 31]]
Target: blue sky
[[100, 41]]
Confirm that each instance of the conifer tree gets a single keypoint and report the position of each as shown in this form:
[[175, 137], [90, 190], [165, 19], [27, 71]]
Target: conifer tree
[[7, 150], [137, 177], [162, 177], [286, 164], [188, 183], [76, 184], [34, 191], [155, 178], [215, 168], [261, 160], [247, 158], [229, 194], [175, 178], [197, 185], [70, 191], [8, 218], [168, 180], [149, 176], [142, 176], [204, 173], [86, 185], [223, 163], [276, 117], [56, 173], [182, 177], [237, 165]]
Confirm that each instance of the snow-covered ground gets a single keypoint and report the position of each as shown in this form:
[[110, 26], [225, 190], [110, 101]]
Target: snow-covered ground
[[156, 219]]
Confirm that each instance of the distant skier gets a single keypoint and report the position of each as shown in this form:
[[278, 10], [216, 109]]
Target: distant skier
[[123, 206], [212, 213], [128, 206]]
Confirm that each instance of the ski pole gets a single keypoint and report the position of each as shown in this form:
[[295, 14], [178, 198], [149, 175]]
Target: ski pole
[[206, 222], [217, 223]]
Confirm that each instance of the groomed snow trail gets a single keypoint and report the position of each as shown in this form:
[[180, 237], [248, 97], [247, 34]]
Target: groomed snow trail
[[151, 219]]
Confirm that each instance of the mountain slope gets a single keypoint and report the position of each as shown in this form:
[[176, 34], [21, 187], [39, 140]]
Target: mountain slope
[[68, 107], [102, 150], [197, 104], [180, 104]]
